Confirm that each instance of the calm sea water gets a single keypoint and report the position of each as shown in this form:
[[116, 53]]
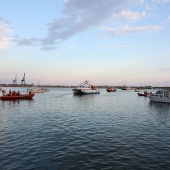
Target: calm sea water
[[61, 131]]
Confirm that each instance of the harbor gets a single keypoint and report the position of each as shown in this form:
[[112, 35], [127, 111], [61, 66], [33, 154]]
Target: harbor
[[60, 130], [84, 85]]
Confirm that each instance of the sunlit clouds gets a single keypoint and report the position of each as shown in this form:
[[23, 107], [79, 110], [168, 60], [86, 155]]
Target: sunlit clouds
[[126, 30], [4, 34]]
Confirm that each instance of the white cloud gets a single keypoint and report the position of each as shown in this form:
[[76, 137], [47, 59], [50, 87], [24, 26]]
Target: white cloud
[[160, 1], [79, 16], [4, 35], [116, 45], [128, 30], [82, 15], [129, 15]]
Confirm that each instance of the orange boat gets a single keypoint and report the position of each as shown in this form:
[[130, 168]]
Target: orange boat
[[16, 96]]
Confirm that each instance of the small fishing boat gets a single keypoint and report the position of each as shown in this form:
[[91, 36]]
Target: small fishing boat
[[35, 90], [45, 89], [139, 90], [162, 96], [85, 88], [145, 94], [126, 88], [109, 89], [16, 96]]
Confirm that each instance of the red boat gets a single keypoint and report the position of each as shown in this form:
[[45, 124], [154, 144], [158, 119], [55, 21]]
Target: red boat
[[110, 90], [143, 94], [16, 96]]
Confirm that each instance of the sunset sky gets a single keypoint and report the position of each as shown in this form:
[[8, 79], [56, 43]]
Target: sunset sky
[[64, 42]]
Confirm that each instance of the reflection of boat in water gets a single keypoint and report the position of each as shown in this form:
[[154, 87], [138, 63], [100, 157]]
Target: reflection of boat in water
[[109, 89], [85, 88], [162, 96], [16, 96], [36, 90]]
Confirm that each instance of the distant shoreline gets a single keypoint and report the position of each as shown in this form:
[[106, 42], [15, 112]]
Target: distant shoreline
[[67, 86]]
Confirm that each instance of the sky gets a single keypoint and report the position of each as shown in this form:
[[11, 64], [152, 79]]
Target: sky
[[64, 42]]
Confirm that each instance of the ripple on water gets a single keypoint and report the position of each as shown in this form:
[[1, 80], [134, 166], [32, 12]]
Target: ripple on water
[[58, 130]]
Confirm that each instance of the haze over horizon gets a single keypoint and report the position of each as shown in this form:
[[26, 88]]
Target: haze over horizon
[[64, 42]]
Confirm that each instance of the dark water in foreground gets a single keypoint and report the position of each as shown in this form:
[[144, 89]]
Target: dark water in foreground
[[58, 130]]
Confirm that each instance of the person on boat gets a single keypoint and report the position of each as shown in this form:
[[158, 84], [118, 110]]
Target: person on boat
[[30, 92], [14, 93], [18, 94], [3, 92], [10, 92]]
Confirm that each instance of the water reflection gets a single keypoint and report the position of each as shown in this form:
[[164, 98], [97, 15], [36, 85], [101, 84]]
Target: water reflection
[[14, 102], [160, 106], [161, 112], [84, 97]]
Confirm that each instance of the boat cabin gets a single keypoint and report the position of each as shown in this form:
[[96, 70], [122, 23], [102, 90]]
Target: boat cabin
[[163, 93]]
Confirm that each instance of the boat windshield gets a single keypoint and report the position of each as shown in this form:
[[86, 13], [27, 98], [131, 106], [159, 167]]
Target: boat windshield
[[159, 92], [85, 84]]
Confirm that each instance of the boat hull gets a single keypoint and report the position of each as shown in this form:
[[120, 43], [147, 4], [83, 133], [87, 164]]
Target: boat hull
[[110, 90], [141, 94], [85, 91], [136, 90], [21, 97], [159, 99]]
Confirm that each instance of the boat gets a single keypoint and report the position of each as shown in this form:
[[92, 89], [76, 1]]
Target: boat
[[139, 90], [126, 88], [85, 88], [16, 96], [35, 90], [45, 89], [109, 89], [145, 94], [162, 96]]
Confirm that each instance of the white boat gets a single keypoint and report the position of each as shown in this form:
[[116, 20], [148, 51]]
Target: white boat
[[45, 89], [162, 96], [126, 88], [139, 90], [35, 90], [85, 88]]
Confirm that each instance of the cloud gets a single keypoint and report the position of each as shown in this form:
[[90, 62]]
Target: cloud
[[128, 30], [79, 16], [164, 69], [117, 45], [160, 1], [129, 15], [4, 34], [82, 15]]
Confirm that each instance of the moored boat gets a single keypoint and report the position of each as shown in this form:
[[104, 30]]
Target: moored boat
[[126, 88], [85, 88], [16, 96], [145, 94], [139, 90], [45, 89], [35, 90], [109, 89], [162, 96]]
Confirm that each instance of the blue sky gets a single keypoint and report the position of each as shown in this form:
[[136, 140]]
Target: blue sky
[[64, 42]]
